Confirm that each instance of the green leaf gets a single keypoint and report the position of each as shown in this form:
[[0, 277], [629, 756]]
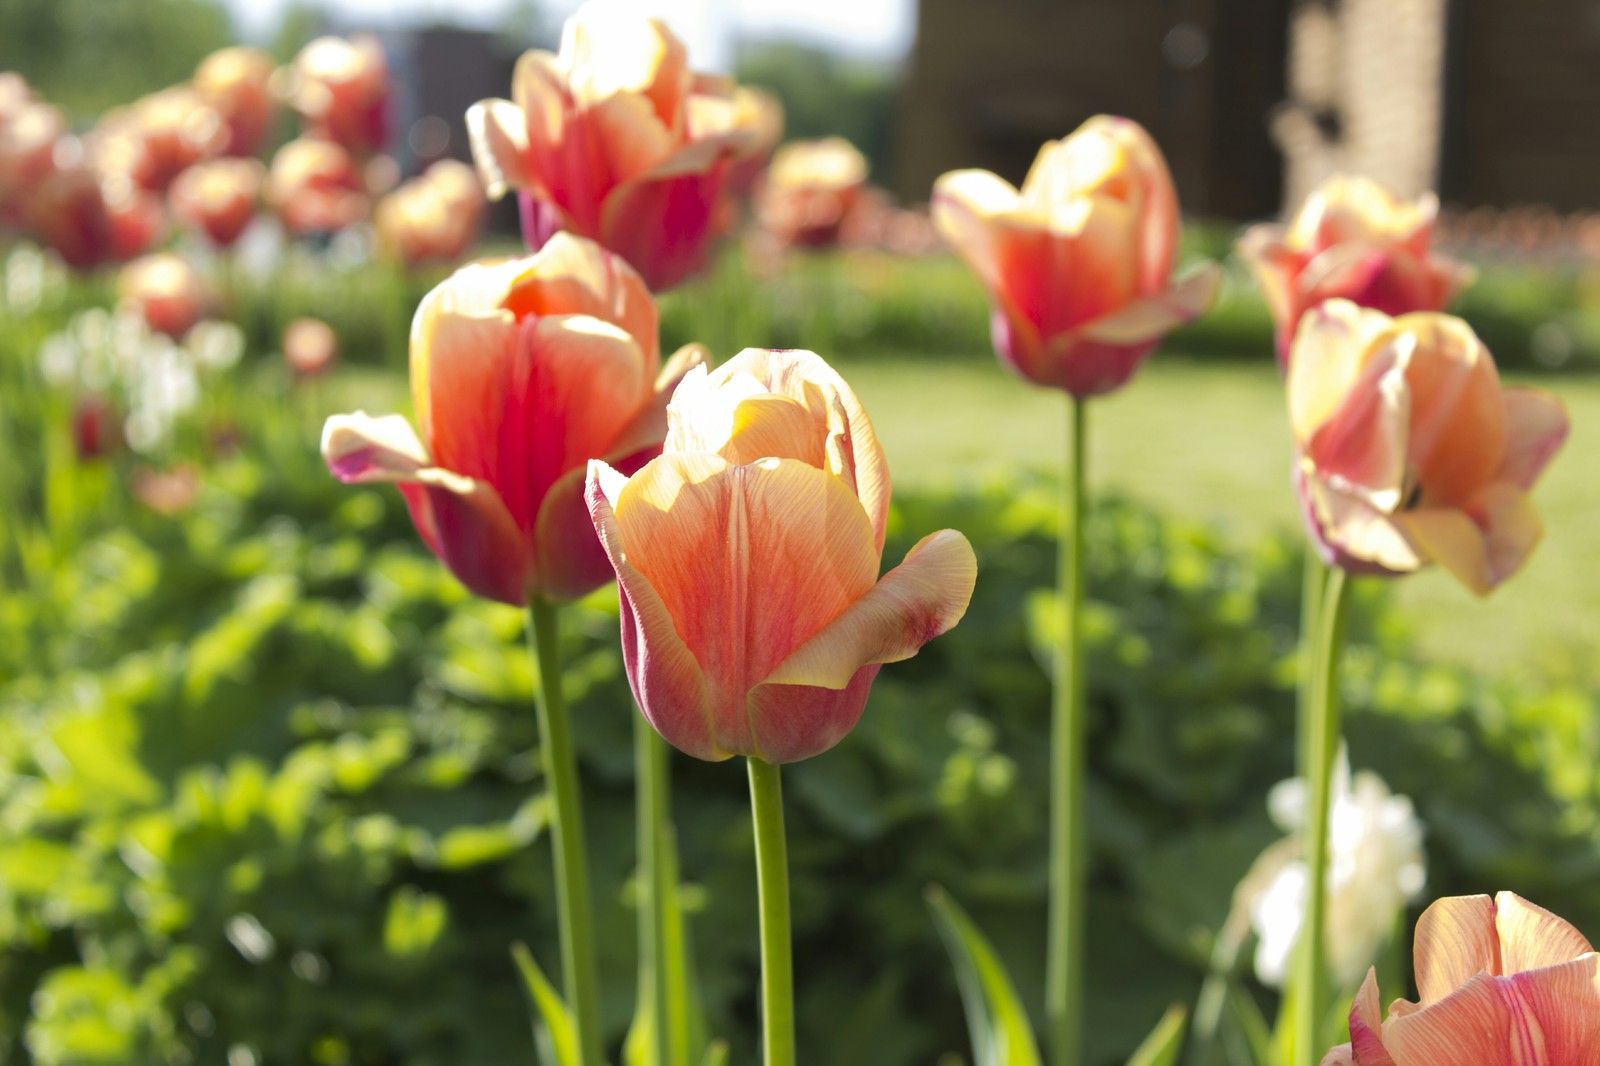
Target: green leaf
[[559, 1031], [1001, 1035], [1161, 1047]]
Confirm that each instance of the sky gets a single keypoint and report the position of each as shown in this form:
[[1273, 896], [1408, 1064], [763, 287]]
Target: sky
[[877, 28]]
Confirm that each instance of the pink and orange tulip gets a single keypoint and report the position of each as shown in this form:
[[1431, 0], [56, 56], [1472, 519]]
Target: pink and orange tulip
[[218, 198], [1409, 450], [811, 188], [1501, 982], [315, 186], [153, 140], [235, 82], [29, 133], [753, 617], [609, 135], [434, 217], [1354, 240], [522, 371], [341, 89], [1078, 262]]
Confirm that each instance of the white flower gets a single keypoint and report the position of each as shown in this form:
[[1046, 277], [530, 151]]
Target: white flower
[[1375, 866]]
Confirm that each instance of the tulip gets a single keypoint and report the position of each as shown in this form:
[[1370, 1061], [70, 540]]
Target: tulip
[[310, 347], [95, 433], [1501, 982], [67, 211], [159, 136], [29, 133], [753, 617], [235, 83], [316, 187], [521, 371], [166, 291], [218, 198], [607, 136], [433, 217], [1078, 262], [811, 188], [1409, 450], [1355, 240], [341, 88]]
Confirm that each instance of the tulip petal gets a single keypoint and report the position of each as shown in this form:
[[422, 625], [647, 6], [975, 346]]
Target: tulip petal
[[571, 275], [661, 221], [1536, 427], [649, 428], [1362, 447], [1532, 937], [1330, 353], [498, 133], [1455, 941], [1458, 434], [924, 596], [1483, 541], [667, 681], [966, 207], [1473, 1024], [1275, 266], [1153, 317], [1348, 530], [1366, 1027]]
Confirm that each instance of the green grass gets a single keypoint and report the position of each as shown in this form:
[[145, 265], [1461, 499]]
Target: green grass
[[1210, 441]]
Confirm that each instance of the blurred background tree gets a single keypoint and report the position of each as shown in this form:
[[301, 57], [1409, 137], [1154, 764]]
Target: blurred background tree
[[825, 93], [87, 56]]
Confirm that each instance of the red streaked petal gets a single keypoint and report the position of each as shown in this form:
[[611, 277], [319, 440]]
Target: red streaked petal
[[498, 133], [1366, 1026], [1455, 940]]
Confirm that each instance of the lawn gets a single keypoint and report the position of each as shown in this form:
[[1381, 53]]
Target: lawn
[[1210, 440]]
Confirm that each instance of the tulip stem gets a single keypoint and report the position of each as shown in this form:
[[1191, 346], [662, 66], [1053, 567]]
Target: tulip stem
[[657, 883], [1312, 993], [1316, 578], [1068, 774], [772, 887], [579, 979]]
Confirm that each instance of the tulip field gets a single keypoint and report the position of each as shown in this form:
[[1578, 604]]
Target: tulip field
[[737, 617]]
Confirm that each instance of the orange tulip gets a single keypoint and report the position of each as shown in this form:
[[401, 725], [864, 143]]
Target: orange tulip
[[1501, 982], [316, 187], [753, 617], [341, 88], [156, 138], [310, 347], [758, 115], [1409, 450], [235, 83], [434, 217], [606, 135], [811, 188], [1354, 240], [166, 290], [218, 198], [522, 370], [1078, 262]]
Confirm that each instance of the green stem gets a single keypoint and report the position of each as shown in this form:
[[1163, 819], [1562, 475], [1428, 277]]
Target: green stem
[[578, 973], [652, 798], [772, 886], [1316, 576], [1068, 776], [1323, 722]]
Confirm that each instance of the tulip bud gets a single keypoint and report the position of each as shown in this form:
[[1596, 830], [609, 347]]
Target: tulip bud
[[316, 187], [166, 291], [218, 198], [1353, 240], [341, 88], [811, 188], [522, 370], [310, 347], [753, 617], [235, 83], [1078, 262]]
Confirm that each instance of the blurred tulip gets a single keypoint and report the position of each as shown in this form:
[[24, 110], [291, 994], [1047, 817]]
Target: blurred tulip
[[434, 217], [1078, 263], [522, 370], [166, 492], [310, 347], [753, 617], [218, 198], [234, 82], [1409, 451], [1354, 240], [29, 133], [157, 137], [811, 188], [94, 428], [603, 134], [137, 217], [316, 187], [341, 88], [758, 115], [167, 292], [1500, 982], [67, 211]]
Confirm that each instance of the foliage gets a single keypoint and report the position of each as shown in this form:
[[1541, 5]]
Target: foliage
[[271, 782], [826, 94]]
